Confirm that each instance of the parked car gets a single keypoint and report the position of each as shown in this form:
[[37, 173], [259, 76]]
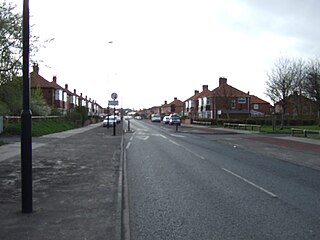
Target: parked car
[[165, 120], [155, 118], [138, 117], [109, 120], [174, 120]]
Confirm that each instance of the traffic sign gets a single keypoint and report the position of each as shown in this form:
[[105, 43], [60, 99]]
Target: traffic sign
[[113, 102], [114, 96]]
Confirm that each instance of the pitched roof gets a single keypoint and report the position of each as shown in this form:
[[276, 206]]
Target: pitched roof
[[225, 90], [205, 92], [254, 99], [176, 102], [38, 81], [194, 97], [54, 84]]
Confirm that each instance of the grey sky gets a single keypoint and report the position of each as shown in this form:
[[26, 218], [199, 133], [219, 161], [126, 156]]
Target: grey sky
[[169, 48]]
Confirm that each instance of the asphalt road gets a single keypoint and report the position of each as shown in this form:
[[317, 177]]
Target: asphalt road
[[199, 186]]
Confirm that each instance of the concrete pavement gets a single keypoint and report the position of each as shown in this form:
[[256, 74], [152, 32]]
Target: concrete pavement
[[78, 174], [77, 186]]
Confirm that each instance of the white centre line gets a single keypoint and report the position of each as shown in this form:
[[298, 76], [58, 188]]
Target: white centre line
[[251, 183], [128, 145], [174, 142]]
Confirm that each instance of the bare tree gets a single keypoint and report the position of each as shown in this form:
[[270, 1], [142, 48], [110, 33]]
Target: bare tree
[[282, 82], [312, 82]]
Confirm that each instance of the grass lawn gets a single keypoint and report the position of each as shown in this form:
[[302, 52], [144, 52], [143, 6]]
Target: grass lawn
[[41, 127]]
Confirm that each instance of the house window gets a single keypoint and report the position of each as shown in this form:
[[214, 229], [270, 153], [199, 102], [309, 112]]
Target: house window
[[58, 95], [233, 104], [64, 96], [255, 106], [242, 100]]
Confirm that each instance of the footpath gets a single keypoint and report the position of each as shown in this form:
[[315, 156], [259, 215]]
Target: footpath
[[77, 186]]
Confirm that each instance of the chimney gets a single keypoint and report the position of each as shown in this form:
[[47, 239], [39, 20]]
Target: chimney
[[66, 86], [81, 95], [175, 99], [74, 91], [196, 92], [204, 87], [36, 68], [222, 80], [165, 102], [54, 79]]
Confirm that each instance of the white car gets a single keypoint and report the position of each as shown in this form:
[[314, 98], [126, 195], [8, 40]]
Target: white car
[[165, 120], [155, 118], [109, 121]]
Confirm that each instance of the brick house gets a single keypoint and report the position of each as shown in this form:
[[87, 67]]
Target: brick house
[[155, 110], [229, 102], [176, 106], [191, 105], [49, 90], [259, 107], [61, 98], [165, 109], [204, 103], [298, 105]]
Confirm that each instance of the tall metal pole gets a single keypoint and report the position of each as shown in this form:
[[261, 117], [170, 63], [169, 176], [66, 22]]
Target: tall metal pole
[[26, 140], [114, 122]]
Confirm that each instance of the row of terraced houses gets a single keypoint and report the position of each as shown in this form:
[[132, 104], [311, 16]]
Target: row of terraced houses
[[62, 98], [226, 101]]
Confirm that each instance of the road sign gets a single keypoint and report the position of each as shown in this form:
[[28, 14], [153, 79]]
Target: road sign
[[114, 96], [113, 102]]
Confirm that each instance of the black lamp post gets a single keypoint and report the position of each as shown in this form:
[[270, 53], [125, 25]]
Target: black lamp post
[[26, 122]]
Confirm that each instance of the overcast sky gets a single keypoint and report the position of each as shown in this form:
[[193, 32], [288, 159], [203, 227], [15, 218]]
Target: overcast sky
[[169, 48]]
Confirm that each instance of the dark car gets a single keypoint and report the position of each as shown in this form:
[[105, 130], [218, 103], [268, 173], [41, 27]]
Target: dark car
[[174, 120]]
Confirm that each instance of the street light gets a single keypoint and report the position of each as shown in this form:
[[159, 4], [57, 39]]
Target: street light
[[26, 120]]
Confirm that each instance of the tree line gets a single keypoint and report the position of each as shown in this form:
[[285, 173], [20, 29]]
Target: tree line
[[11, 64], [294, 76]]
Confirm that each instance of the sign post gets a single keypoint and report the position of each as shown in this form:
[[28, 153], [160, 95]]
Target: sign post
[[114, 96]]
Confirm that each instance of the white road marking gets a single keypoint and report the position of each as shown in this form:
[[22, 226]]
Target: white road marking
[[163, 136], [187, 149], [176, 135], [251, 183], [175, 143], [144, 138], [131, 138], [128, 145]]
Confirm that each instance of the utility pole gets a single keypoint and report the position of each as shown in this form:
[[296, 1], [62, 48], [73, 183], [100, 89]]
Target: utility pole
[[26, 120]]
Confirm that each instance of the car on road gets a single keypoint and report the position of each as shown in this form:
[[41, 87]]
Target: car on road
[[138, 117], [109, 121], [165, 120], [155, 118], [174, 120]]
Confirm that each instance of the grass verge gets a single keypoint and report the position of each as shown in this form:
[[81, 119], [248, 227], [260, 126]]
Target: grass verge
[[41, 127]]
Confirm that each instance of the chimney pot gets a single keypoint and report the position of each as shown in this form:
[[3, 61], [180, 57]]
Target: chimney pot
[[175, 99], [222, 80], [165, 102], [36, 67], [54, 79], [196, 92], [204, 87], [66, 86]]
